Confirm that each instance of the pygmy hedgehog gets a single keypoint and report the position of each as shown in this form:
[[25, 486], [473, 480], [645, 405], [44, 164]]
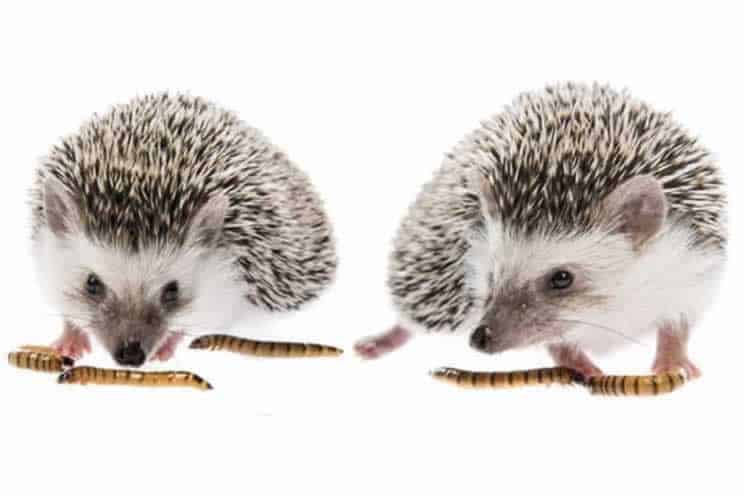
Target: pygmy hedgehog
[[169, 214], [578, 218]]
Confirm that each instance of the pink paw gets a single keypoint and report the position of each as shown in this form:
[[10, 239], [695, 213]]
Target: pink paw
[[376, 346], [671, 352], [590, 370], [73, 343], [168, 348], [664, 366], [573, 358], [369, 349]]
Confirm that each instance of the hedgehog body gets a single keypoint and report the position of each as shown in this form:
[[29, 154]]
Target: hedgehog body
[[176, 187], [525, 192]]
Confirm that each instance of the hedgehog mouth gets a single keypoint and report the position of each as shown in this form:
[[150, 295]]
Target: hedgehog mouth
[[487, 340]]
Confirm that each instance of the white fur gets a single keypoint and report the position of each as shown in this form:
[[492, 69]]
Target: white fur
[[669, 279], [206, 277]]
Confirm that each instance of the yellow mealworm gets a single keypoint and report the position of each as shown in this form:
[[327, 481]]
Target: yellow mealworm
[[505, 380], [635, 385], [48, 350], [123, 377], [262, 348], [40, 362]]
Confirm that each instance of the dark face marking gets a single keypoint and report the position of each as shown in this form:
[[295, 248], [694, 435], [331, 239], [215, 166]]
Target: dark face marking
[[521, 315], [130, 354], [127, 325], [515, 317]]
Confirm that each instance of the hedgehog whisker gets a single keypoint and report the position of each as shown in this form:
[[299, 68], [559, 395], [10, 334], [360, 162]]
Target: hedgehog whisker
[[65, 315], [200, 330], [604, 328], [82, 320], [184, 333]]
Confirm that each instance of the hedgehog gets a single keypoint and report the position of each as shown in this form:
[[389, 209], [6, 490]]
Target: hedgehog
[[168, 214], [578, 218]]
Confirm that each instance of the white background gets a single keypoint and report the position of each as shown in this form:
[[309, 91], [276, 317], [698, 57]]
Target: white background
[[367, 99]]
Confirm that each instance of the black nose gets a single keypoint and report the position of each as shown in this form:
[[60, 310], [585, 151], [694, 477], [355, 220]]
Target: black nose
[[130, 354], [481, 338]]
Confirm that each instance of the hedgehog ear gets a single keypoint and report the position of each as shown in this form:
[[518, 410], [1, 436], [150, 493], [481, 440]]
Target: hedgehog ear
[[487, 196], [62, 215], [636, 208], [206, 225]]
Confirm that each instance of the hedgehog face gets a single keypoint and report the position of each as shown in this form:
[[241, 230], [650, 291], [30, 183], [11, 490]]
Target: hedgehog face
[[132, 301], [541, 287], [535, 289]]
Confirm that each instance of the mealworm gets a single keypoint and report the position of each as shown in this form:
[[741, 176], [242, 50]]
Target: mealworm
[[635, 385], [506, 380], [39, 362], [262, 348], [47, 350], [123, 377]]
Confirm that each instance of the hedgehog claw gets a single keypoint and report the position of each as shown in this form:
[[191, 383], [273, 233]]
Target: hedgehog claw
[[168, 348], [73, 343], [671, 352], [565, 355]]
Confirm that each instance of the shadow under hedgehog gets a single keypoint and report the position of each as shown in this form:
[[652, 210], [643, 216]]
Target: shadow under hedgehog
[[578, 218], [167, 214]]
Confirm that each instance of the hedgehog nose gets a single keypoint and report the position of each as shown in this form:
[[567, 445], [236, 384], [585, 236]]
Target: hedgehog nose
[[481, 338], [130, 354]]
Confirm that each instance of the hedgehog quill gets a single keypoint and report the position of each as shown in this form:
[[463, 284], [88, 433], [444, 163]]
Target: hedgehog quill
[[578, 218], [167, 215]]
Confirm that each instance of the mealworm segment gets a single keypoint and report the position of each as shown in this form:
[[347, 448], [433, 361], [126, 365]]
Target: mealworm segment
[[251, 347], [38, 361], [95, 375], [506, 380], [635, 385], [47, 350]]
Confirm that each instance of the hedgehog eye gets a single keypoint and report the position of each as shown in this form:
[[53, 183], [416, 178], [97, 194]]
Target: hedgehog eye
[[561, 279], [94, 287], [169, 296]]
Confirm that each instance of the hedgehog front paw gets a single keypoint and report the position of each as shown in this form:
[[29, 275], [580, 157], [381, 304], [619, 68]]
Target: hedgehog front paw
[[671, 351], [569, 356], [168, 348], [663, 365], [73, 343]]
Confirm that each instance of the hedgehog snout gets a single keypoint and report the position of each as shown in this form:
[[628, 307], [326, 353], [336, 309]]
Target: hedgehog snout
[[130, 354], [481, 338], [488, 338]]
